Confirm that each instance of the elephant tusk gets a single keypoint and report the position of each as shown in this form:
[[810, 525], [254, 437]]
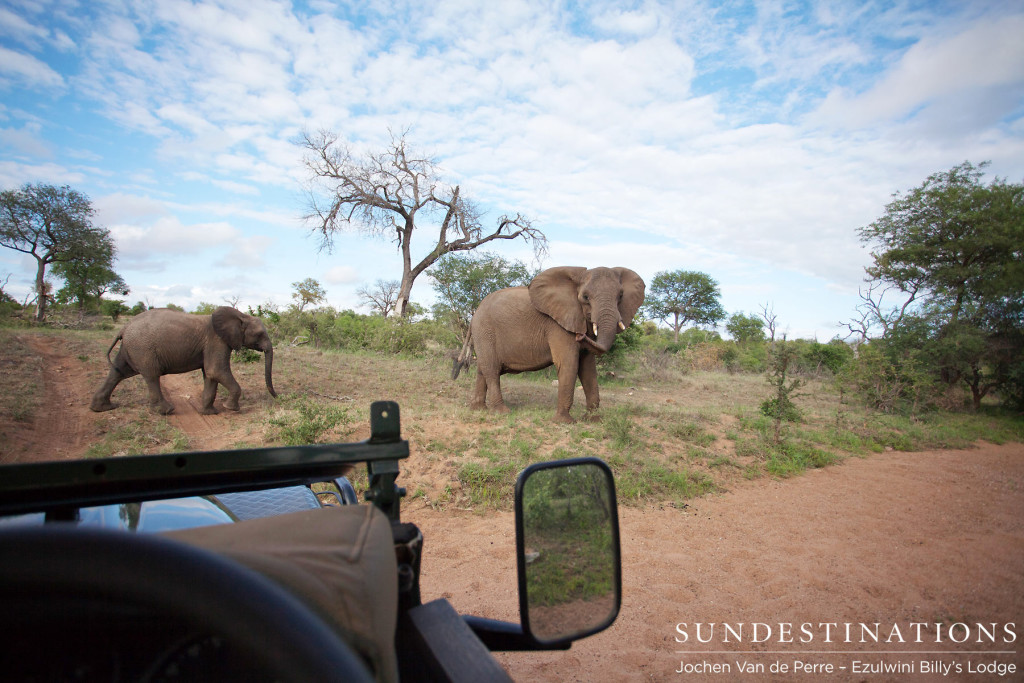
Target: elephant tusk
[[595, 328], [622, 326]]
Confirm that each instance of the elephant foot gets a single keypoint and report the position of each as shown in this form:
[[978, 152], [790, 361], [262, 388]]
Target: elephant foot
[[233, 407], [478, 405], [500, 408], [209, 410], [592, 417], [165, 409], [564, 418], [100, 406]]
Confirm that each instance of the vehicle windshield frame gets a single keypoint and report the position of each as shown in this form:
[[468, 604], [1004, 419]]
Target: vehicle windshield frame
[[54, 486]]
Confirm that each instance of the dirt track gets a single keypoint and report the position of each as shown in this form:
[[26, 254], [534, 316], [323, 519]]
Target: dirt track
[[898, 538], [894, 539]]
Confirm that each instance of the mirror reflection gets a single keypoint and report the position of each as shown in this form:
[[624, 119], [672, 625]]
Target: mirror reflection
[[570, 550]]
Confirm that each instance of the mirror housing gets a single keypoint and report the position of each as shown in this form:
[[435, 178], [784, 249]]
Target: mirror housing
[[567, 550]]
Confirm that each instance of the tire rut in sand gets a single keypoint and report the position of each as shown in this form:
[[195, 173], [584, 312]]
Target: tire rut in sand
[[58, 425]]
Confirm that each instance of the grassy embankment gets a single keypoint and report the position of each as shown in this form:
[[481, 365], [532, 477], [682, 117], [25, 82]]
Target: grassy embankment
[[668, 437]]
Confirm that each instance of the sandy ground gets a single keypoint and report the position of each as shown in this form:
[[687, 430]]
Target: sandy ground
[[919, 547], [934, 538]]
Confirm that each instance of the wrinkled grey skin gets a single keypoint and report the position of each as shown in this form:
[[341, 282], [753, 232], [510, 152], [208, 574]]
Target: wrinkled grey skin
[[552, 321], [162, 341]]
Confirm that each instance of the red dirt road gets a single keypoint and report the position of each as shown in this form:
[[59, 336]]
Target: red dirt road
[[894, 539]]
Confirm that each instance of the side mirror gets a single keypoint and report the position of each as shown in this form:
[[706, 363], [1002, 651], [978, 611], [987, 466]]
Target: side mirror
[[567, 547]]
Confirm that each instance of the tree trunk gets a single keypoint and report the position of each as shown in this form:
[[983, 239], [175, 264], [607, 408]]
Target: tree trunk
[[40, 290]]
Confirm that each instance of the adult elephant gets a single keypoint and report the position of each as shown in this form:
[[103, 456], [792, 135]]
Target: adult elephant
[[162, 341], [566, 316]]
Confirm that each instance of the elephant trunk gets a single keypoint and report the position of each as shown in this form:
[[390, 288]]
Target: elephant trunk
[[268, 354], [604, 330]]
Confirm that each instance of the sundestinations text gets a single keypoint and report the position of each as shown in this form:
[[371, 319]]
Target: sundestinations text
[[835, 632]]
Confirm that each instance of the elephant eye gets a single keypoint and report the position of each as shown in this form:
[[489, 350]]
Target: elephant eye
[[586, 297]]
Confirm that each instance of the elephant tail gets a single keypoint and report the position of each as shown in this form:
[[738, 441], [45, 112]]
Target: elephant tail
[[119, 337], [464, 357]]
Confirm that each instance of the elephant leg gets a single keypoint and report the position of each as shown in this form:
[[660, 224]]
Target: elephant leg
[[234, 391], [156, 396], [588, 378], [495, 401], [567, 372], [101, 399], [479, 401], [488, 383], [209, 394]]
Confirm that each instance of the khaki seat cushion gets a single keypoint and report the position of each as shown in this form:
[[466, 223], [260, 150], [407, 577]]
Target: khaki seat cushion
[[339, 560]]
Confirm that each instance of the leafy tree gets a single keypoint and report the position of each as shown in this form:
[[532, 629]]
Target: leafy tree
[[745, 328], [53, 225], [463, 280], [385, 194], [113, 308], [780, 406], [139, 307], [308, 292], [382, 297], [86, 280], [954, 247], [204, 308], [683, 296]]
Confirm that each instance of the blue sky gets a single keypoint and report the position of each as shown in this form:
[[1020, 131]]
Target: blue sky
[[746, 140]]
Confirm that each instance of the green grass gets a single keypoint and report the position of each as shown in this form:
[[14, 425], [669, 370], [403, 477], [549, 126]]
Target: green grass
[[640, 479], [145, 434], [302, 420], [22, 382], [668, 437], [488, 485]]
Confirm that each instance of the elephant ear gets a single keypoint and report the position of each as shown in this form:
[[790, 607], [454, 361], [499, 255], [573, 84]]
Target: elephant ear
[[227, 323], [554, 293], [633, 288]]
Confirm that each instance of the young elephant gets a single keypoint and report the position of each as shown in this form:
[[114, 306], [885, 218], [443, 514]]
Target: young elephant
[[162, 341], [566, 316]]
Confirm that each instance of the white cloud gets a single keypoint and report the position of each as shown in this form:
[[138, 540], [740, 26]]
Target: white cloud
[[940, 72], [247, 253], [342, 275], [151, 247], [26, 141], [623, 22], [20, 29], [128, 210], [27, 71]]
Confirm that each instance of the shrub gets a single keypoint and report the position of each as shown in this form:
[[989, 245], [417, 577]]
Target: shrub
[[310, 421]]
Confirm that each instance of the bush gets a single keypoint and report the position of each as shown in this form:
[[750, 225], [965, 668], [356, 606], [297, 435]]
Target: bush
[[783, 409], [244, 355], [832, 356], [310, 421], [888, 386]]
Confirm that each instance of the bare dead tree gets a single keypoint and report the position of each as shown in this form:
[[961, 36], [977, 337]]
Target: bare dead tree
[[872, 314], [770, 318], [382, 297], [384, 194], [232, 301]]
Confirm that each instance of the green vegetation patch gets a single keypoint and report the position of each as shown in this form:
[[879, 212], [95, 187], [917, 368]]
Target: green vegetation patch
[[303, 420], [22, 379], [145, 434]]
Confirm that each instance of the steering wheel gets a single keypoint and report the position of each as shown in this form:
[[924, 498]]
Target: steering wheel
[[263, 621]]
